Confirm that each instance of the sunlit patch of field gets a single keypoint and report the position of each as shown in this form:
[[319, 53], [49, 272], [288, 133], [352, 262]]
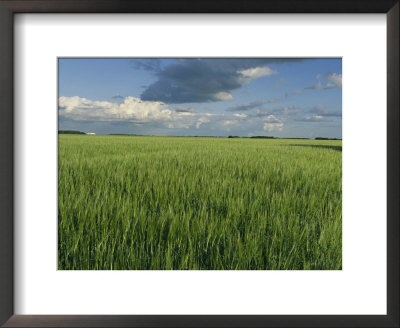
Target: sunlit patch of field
[[161, 203]]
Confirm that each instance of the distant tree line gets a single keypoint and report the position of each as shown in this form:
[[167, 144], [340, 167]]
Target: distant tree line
[[321, 138], [122, 134], [254, 137], [70, 132]]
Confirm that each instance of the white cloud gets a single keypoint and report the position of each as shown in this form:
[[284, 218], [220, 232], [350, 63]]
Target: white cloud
[[131, 110], [255, 73], [272, 119], [273, 123], [223, 96], [200, 121], [315, 118], [227, 125], [335, 80], [240, 115], [273, 127], [230, 122], [317, 86]]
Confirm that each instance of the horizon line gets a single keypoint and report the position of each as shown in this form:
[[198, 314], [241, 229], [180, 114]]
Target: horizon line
[[191, 136]]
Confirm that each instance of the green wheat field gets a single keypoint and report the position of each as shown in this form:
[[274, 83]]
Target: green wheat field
[[194, 203]]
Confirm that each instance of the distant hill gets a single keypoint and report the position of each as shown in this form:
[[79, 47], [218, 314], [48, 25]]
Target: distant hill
[[70, 132]]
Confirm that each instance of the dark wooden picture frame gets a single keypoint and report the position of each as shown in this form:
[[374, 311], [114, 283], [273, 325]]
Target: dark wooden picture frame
[[7, 10]]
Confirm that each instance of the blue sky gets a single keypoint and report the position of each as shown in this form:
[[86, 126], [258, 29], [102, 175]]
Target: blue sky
[[281, 97]]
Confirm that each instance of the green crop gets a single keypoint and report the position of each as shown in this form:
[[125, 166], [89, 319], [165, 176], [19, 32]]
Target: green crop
[[178, 203]]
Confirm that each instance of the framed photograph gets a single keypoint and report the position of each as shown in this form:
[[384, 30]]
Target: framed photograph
[[214, 164]]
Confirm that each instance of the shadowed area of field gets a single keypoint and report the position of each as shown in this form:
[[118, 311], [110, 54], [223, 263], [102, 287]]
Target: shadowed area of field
[[333, 147]]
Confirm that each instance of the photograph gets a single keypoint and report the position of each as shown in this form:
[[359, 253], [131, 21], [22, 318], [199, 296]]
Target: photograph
[[199, 163]]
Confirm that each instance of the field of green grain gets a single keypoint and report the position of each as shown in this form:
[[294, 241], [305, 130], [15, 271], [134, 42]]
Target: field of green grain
[[178, 203]]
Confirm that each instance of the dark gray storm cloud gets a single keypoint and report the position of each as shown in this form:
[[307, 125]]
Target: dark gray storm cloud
[[315, 118], [200, 80], [191, 81]]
